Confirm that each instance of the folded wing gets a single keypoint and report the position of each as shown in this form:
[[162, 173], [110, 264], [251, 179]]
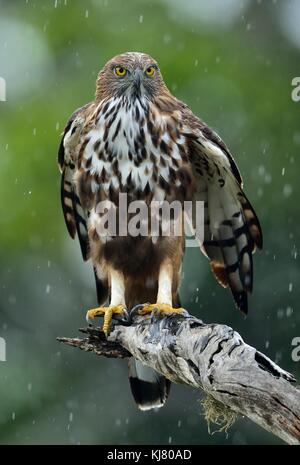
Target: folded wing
[[74, 211], [231, 228]]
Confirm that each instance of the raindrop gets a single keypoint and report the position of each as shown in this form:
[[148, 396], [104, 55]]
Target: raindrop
[[296, 138], [141, 19], [290, 287], [289, 311], [268, 178], [278, 356], [48, 289], [260, 192], [167, 38], [12, 299], [287, 190], [280, 314]]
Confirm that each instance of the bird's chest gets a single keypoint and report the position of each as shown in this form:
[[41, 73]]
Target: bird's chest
[[132, 150]]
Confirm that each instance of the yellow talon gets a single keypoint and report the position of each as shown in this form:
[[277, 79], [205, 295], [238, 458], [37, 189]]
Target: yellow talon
[[107, 312], [161, 308]]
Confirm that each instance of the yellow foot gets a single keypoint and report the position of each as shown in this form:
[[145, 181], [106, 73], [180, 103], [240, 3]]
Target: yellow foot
[[107, 313], [159, 308]]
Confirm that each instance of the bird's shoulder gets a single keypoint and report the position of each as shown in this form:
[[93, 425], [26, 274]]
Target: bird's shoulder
[[196, 129], [77, 124]]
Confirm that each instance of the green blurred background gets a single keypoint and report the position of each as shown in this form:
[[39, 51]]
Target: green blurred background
[[232, 61]]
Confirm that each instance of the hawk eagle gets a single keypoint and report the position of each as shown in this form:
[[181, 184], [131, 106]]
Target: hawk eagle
[[136, 138]]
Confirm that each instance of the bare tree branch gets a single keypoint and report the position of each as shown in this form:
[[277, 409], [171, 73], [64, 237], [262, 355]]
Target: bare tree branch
[[212, 357]]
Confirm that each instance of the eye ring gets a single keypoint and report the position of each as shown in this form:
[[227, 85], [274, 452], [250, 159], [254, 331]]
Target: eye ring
[[150, 71], [120, 71]]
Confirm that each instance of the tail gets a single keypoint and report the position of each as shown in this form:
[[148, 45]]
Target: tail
[[149, 389]]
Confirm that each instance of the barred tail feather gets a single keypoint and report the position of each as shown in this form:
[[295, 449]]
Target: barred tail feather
[[149, 389]]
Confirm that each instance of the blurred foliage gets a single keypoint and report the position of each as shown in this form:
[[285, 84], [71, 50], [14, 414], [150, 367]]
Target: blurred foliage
[[237, 77]]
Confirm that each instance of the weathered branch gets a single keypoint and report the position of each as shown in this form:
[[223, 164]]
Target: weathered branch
[[212, 357]]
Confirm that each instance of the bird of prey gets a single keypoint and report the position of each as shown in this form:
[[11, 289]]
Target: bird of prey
[[136, 138]]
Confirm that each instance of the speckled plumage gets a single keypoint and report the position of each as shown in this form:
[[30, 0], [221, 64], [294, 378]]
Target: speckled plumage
[[136, 138]]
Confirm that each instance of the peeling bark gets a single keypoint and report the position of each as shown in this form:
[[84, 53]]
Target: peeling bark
[[212, 357]]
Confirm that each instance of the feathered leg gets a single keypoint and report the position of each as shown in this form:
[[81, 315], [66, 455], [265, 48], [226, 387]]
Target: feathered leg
[[165, 295], [149, 388], [117, 301]]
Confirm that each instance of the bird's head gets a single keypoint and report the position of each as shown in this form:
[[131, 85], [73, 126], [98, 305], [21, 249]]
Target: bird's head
[[131, 74]]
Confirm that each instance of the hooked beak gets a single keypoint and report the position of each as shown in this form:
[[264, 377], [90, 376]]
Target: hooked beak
[[138, 76]]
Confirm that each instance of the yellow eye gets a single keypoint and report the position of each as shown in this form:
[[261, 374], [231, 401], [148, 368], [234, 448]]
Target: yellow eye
[[120, 71], [150, 71]]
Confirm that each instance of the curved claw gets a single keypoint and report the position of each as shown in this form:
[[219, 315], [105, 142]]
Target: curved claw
[[135, 311], [108, 313], [185, 313], [90, 316], [122, 318], [159, 309]]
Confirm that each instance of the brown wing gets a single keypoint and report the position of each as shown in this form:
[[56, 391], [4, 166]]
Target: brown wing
[[75, 214], [232, 230]]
